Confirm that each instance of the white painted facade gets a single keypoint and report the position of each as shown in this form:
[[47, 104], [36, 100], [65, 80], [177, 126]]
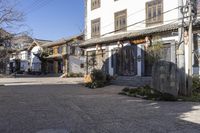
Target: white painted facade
[[24, 61], [136, 12]]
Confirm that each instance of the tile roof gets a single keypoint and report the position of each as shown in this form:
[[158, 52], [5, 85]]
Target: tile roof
[[42, 42], [129, 35], [62, 41]]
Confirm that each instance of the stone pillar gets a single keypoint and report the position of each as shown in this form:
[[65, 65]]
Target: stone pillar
[[110, 61], [139, 60], [107, 58], [173, 52]]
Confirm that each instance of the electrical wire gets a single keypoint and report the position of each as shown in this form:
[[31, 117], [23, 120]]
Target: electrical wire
[[139, 22], [127, 17]]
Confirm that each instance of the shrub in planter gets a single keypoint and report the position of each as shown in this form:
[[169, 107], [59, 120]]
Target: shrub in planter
[[196, 84], [108, 78], [148, 93], [98, 79]]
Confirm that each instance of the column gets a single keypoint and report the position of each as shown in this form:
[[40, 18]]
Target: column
[[139, 60]]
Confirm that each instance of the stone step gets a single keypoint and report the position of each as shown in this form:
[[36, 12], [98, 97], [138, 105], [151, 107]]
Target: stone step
[[132, 81]]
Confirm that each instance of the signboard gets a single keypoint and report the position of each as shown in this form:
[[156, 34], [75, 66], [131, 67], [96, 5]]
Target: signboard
[[138, 41]]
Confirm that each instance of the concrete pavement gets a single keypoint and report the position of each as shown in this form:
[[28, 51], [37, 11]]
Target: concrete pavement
[[39, 81], [73, 108]]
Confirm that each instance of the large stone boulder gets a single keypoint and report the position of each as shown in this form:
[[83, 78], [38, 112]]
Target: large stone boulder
[[164, 77]]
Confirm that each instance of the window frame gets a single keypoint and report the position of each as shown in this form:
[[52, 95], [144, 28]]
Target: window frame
[[152, 11], [95, 24], [95, 4], [50, 51], [60, 49], [118, 18]]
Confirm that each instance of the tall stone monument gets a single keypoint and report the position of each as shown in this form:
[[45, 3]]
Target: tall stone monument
[[164, 77]]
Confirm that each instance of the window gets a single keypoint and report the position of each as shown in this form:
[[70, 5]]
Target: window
[[121, 21], [72, 50], [60, 50], [95, 4], [50, 51], [95, 27], [154, 10]]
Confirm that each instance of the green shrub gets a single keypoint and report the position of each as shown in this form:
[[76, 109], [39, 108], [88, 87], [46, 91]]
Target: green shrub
[[99, 79], [148, 93], [71, 74], [108, 78], [125, 90], [167, 97], [98, 75], [196, 84]]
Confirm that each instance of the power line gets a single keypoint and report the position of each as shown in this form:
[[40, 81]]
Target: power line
[[127, 17], [103, 27], [139, 22]]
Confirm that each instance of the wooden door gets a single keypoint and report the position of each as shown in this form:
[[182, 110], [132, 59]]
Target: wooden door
[[126, 64]]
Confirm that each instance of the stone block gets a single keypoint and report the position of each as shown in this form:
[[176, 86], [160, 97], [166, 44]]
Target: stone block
[[164, 77]]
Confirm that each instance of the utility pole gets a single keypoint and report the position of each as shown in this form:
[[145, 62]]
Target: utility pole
[[190, 47], [181, 52]]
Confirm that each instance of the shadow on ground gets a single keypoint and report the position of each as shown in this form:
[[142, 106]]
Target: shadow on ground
[[74, 109]]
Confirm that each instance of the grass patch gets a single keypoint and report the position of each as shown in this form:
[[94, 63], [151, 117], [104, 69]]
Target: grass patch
[[194, 98], [148, 93]]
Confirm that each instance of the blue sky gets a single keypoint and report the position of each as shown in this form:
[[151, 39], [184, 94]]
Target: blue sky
[[53, 19]]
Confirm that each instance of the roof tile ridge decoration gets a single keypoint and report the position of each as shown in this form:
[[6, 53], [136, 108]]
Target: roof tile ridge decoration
[[37, 39], [61, 41], [131, 34]]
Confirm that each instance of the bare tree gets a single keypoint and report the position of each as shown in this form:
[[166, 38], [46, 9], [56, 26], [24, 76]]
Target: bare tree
[[9, 17]]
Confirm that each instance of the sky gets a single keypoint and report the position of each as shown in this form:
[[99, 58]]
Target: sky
[[53, 19]]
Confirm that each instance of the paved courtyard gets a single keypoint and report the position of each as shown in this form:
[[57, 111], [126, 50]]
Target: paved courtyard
[[39, 81], [72, 108]]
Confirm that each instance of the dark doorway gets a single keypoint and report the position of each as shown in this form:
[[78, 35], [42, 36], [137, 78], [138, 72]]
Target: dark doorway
[[60, 66], [17, 65], [148, 64], [125, 61], [50, 66], [11, 67]]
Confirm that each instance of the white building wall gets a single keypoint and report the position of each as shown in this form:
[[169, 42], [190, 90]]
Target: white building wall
[[135, 12], [35, 63], [24, 55]]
